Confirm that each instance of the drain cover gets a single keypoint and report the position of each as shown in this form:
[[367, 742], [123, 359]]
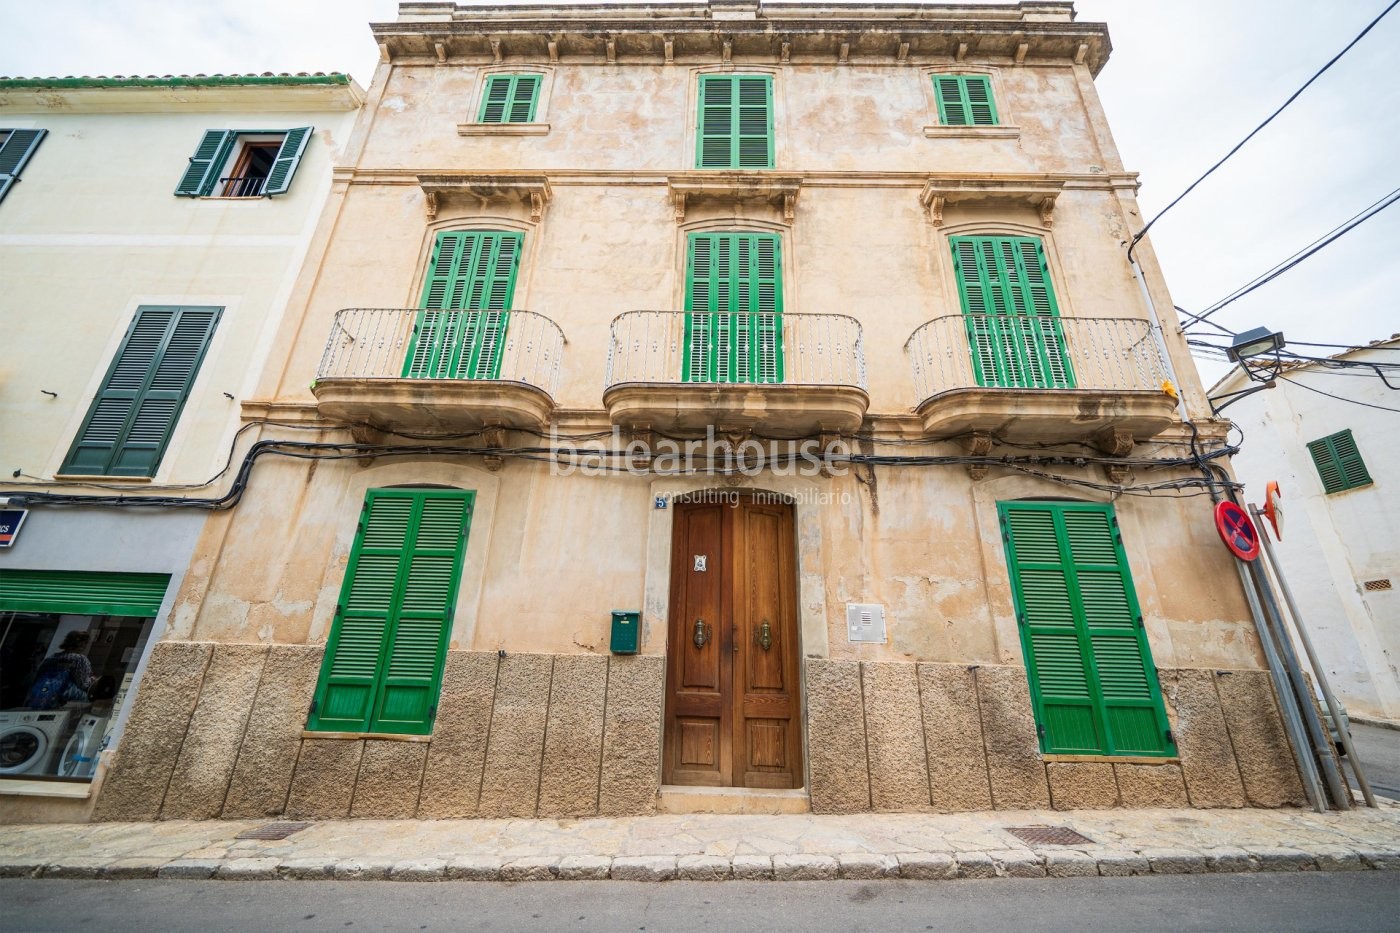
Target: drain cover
[[272, 831], [1049, 836]]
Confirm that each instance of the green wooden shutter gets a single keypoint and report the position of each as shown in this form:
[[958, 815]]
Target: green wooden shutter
[[1338, 462], [733, 303], [15, 149], [135, 411], [509, 98], [965, 100], [735, 122], [467, 298], [82, 592], [279, 177], [383, 665], [209, 157], [1015, 337], [1093, 685]]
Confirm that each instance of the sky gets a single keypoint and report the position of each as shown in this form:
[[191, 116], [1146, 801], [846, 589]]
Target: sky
[[1186, 81]]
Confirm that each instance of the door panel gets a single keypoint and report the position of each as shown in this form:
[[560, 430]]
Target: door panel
[[732, 703]]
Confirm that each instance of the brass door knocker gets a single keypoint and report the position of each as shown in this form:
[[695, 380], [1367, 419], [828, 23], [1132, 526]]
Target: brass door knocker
[[764, 635], [702, 634]]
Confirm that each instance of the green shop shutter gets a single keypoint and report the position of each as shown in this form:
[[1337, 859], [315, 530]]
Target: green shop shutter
[[1338, 462], [733, 303], [134, 414], [82, 592], [965, 100], [467, 297], [279, 177], [1092, 681], [15, 150], [1013, 322], [209, 157], [509, 99], [383, 665], [735, 122]]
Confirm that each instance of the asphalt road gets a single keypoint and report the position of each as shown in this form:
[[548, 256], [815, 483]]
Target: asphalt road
[[1352, 901], [1379, 751]]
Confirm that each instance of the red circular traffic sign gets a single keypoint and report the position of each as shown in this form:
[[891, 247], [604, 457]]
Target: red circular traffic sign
[[1237, 530]]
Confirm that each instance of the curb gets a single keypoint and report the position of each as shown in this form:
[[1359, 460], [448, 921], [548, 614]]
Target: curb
[[863, 866]]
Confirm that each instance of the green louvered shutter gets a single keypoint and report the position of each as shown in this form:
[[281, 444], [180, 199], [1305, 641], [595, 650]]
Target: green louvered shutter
[[1338, 461], [965, 100], [735, 122], [383, 664], [82, 592], [1093, 684], [510, 99], [1014, 333], [134, 414], [733, 303], [16, 146], [279, 177], [209, 157], [467, 299]]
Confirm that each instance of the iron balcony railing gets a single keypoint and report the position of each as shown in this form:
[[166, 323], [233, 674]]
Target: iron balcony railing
[[411, 343], [243, 186], [1034, 352], [735, 347]]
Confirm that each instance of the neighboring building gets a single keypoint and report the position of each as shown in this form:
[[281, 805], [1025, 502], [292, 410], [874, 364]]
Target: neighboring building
[[896, 232], [151, 230], [1337, 463]]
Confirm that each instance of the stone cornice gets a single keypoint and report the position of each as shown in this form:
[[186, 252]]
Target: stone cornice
[[165, 98]]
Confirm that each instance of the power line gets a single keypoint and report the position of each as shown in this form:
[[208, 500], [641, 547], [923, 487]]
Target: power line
[[1294, 96], [1340, 398]]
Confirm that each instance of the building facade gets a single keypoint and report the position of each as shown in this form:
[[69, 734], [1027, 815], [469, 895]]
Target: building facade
[[1334, 461], [718, 407], [151, 230]]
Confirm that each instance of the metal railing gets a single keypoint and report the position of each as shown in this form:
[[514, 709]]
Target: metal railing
[[410, 343], [243, 186], [1017, 351], [735, 347]]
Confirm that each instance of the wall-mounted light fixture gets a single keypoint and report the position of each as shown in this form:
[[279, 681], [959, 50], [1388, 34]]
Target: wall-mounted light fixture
[[1257, 352]]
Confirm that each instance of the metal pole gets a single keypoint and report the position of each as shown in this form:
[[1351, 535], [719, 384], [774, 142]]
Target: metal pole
[[1154, 325], [1332, 705]]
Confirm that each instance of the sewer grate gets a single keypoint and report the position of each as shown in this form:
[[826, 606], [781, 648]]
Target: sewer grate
[[272, 831], [1049, 836]]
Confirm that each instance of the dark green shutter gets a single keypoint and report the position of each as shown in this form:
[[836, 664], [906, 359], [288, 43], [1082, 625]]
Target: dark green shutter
[[209, 157], [467, 299], [735, 122], [15, 150], [965, 100], [82, 592], [279, 177], [383, 664], [134, 414], [1092, 681], [509, 99], [1013, 323], [733, 303], [1339, 462]]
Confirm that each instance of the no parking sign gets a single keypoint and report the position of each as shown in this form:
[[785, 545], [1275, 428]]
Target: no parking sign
[[1237, 530]]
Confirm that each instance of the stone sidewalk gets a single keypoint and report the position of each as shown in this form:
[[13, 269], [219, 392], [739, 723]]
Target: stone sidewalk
[[717, 847]]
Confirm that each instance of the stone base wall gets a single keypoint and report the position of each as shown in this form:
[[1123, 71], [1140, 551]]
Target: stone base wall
[[892, 736], [217, 731]]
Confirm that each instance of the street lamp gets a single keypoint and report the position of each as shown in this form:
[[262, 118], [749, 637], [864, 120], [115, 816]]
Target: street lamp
[[1257, 352]]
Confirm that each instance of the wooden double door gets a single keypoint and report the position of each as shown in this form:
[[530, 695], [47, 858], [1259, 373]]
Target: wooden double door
[[732, 695]]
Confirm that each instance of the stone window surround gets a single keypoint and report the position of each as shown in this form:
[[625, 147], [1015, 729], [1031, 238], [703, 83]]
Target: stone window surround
[[476, 221], [538, 127], [734, 224], [692, 111], [1006, 127], [943, 272]]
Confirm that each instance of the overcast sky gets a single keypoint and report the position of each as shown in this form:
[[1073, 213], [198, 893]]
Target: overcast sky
[[1186, 81]]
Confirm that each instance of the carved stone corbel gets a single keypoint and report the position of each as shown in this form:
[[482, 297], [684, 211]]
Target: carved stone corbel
[[935, 209], [962, 51], [1118, 473], [790, 206], [553, 46], [844, 56], [678, 205], [727, 51], [979, 445], [384, 55], [496, 51], [536, 206], [1021, 51], [902, 56], [1114, 441], [670, 49], [785, 51], [493, 438], [440, 50], [1081, 53], [430, 204], [612, 51], [1046, 207]]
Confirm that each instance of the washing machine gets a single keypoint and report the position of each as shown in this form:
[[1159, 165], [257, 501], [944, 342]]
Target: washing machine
[[79, 758], [28, 739]]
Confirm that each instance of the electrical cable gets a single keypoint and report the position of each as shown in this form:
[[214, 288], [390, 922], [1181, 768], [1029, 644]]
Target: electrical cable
[[1340, 398]]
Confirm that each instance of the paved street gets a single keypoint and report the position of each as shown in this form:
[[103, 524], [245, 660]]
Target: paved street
[[1379, 750], [1354, 901]]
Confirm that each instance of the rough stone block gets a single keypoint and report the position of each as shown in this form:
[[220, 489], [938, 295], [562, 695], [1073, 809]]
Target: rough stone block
[[752, 867], [390, 775], [160, 716], [531, 868], [894, 736], [1207, 757], [77, 868], [1282, 858], [247, 869], [867, 866], [366, 869], [957, 759], [1082, 785], [1229, 860], [426, 869], [457, 756], [1175, 861], [1121, 863], [585, 868], [324, 782], [839, 772], [204, 766], [632, 735], [644, 868], [1337, 858], [1018, 863], [927, 866], [1070, 864], [1008, 731], [1142, 786], [802, 867], [573, 739], [197, 868], [976, 865], [1261, 746], [702, 868], [1380, 859], [511, 781], [20, 867], [124, 869], [475, 868], [308, 869], [267, 756]]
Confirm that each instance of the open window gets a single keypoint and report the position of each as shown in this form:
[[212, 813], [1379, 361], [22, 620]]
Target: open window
[[244, 163]]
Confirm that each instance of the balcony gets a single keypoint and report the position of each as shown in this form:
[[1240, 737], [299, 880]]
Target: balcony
[[1035, 379], [413, 372], [776, 375]]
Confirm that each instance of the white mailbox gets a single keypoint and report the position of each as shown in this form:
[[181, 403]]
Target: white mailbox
[[865, 622]]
